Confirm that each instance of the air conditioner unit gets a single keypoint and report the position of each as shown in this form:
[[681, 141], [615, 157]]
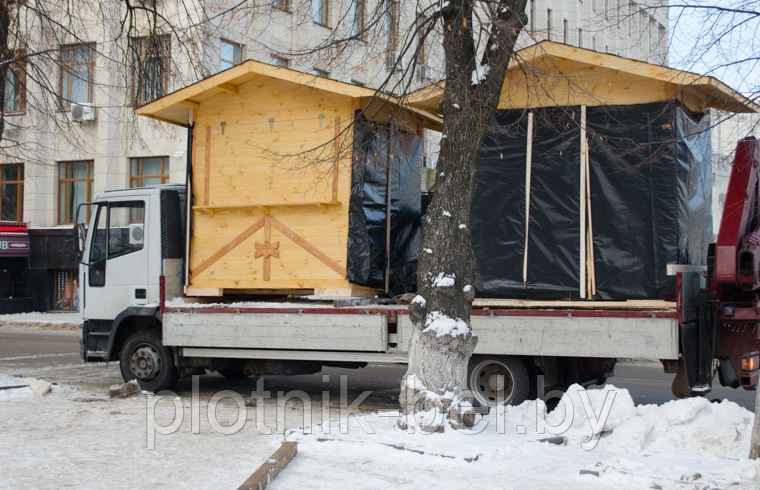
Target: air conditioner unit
[[136, 234], [82, 112], [424, 73], [428, 161], [428, 179], [395, 61]]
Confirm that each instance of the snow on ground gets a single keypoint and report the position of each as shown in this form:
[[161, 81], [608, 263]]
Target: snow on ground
[[41, 321], [93, 441]]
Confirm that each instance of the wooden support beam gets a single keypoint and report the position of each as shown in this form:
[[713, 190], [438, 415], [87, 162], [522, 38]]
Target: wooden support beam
[[301, 242], [223, 251], [271, 468], [228, 87], [207, 167], [336, 160], [190, 103]]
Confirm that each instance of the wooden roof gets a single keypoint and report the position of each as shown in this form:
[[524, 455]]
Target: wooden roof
[[173, 108], [553, 74]]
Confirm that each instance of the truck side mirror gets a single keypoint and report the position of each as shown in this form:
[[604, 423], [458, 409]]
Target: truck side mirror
[[81, 235]]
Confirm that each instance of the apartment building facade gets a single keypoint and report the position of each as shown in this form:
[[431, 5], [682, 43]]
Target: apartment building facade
[[69, 128]]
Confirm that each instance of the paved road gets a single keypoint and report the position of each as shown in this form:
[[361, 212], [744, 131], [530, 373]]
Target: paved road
[[54, 355]]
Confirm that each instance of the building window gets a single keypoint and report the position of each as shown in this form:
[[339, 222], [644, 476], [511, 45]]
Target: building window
[[77, 74], [149, 171], [12, 190], [275, 60], [421, 55], [14, 99], [532, 16], [564, 31], [320, 73], [231, 54], [321, 11], [357, 19], [150, 68], [549, 24], [580, 38], [390, 24], [631, 14], [281, 4], [74, 188]]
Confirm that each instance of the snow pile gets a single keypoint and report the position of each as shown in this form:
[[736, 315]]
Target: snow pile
[[693, 424], [608, 418], [593, 439], [41, 321]]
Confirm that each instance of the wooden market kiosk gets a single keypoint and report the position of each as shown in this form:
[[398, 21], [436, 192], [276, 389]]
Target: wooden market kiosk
[[270, 175]]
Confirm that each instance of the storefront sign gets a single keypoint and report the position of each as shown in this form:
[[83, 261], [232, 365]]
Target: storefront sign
[[14, 240]]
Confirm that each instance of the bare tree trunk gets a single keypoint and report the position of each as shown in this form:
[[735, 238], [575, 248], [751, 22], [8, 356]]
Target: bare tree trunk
[[443, 341]]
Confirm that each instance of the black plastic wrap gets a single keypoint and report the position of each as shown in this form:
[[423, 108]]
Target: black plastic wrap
[[368, 207], [634, 185], [650, 181], [693, 152], [498, 212]]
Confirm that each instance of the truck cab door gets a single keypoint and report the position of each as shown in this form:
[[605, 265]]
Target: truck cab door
[[114, 271]]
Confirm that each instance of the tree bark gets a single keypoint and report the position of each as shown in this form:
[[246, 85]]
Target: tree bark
[[754, 445], [442, 340]]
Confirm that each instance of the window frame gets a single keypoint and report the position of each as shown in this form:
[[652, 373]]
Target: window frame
[[138, 179], [320, 12], [18, 68], [283, 5], [19, 183], [65, 72], [358, 8], [143, 48], [66, 182], [390, 24], [279, 61], [237, 54]]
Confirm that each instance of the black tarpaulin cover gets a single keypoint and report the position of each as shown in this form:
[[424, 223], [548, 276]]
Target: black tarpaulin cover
[[650, 193], [368, 206]]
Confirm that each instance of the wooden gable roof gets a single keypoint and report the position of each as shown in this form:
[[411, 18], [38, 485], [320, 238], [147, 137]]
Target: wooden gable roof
[[173, 108], [553, 74]]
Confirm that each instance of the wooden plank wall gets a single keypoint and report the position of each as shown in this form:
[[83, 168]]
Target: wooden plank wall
[[271, 180]]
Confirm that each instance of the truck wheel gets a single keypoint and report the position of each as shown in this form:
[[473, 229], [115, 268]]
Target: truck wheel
[[488, 376], [145, 359]]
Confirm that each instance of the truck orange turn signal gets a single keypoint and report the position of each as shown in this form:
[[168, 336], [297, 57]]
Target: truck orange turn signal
[[750, 362]]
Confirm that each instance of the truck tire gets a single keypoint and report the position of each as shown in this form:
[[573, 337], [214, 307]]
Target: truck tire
[[145, 359], [484, 380]]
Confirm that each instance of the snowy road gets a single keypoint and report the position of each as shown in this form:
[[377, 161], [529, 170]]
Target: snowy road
[[216, 439], [55, 355]]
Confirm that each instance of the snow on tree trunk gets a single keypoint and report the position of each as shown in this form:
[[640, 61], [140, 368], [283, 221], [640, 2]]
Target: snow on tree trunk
[[434, 388]]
